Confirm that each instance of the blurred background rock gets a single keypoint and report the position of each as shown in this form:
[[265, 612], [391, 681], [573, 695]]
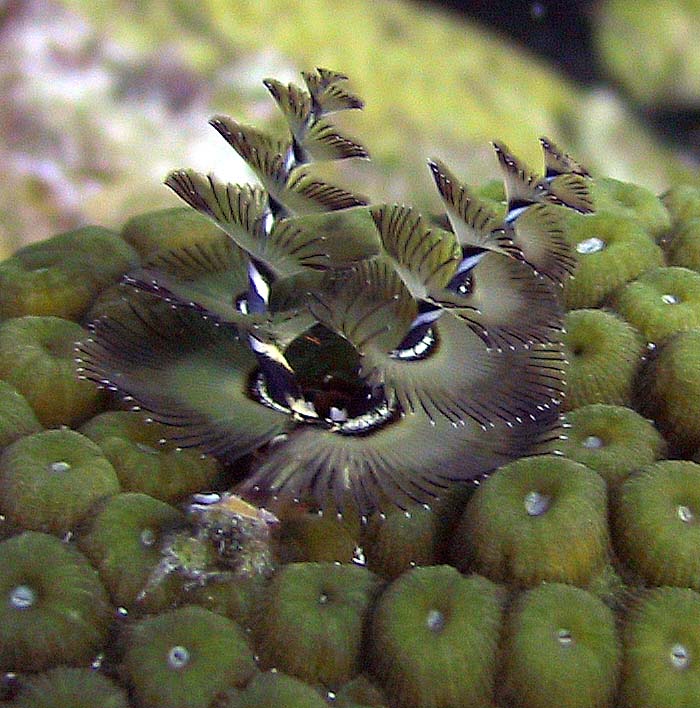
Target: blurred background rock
[[100, 100]]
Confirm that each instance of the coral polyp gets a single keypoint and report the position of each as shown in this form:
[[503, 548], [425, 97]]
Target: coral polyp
[[127, 530], [605, 354], [661, 302], [669, 391], [144, 462], [612, 248], [428, 625], [69, 687], [310, 621], [62, 275], [272, 690], [54, 608], [538, 519], [612, 440], [656, 523], [16, 415], [661, 650], [560, 648], [49, 480], [183, 658], [36, 357], [369, 356]]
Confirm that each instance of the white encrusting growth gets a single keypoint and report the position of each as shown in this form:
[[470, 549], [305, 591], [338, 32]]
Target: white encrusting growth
[[590, 245]]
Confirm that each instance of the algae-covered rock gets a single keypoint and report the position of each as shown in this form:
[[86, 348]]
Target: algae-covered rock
[[127, 99], [649, 47]]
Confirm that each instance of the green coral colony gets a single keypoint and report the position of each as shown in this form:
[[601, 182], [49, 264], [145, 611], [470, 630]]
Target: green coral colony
[[361, 370]]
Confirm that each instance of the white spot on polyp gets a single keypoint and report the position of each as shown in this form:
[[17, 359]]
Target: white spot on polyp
[[669, 299], [148, 537], [536, 504], [592, 442], [59, 467], [22, 597], [680, 656], [564, 637], [178, 657], [590, 245], [435, 621], [685, 514]]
